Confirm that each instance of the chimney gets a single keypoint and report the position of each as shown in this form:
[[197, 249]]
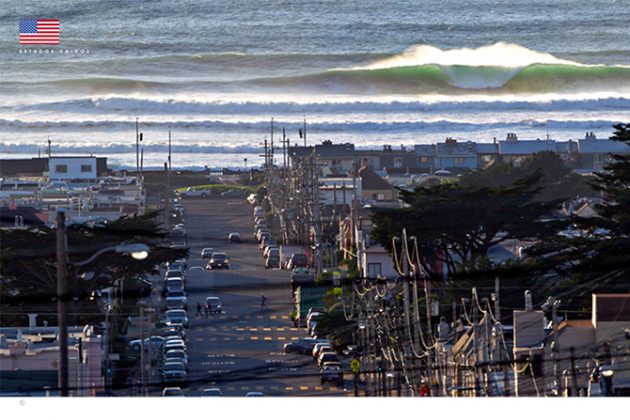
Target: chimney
[[590, 136], [450, 140], [32, 320], [511, 137], [528, 301]]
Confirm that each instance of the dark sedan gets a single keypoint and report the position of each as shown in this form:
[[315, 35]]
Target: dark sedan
[[218, 260]]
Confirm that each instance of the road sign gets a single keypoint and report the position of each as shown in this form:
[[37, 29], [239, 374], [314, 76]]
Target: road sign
[[355, 365]]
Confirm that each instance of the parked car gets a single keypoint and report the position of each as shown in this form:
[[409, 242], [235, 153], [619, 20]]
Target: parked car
[[172, 391], [302, 346], [174, 330], [174, 285], [180, 355], [192, 192], [234, 237], [328, 356], [214, 305], [254, 394], [155, 341], [269, 248], [297, 260], [272, 261], [175, 345], [319, 348], [177, 316], [218, 260], [251, 199], [207, 252], [313, 317], [176, 302], [331, 372], [211, 392], [173, 372], [172, 272]]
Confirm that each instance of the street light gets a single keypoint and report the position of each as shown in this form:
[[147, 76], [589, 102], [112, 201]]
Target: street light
[[137, 251]]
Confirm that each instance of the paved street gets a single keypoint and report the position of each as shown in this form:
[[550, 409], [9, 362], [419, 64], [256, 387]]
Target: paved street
[[242, 349]]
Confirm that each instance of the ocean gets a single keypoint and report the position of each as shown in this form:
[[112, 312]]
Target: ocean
[[371, 72]]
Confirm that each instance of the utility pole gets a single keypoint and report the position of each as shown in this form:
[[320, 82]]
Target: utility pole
[[137, 148], [49, 147], [167, 199], [305, 131], [169, 150], [142, 367], [62, 297]]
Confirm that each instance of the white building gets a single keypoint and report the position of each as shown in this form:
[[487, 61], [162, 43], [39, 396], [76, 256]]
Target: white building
[[67, 168]]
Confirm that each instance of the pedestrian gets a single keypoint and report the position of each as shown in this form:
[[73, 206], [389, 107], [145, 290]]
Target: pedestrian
[[208, 309], [262, 302], [198, 309]]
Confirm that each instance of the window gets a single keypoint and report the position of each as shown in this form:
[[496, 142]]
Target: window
[[424, 159], [597, 158], [380, 196], [373, 270], [61, 169], [398, 162], [459, 160], [86, 168]]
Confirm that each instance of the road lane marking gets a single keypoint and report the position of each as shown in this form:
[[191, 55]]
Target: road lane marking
[[199, 339], [231, 388], [288, 388], [234, 316], [244, 388], [280, 329], [268, 338], [319, 388], [227, 339], [303, 388], [260, 317], [266, 329], [332, 388], [275, 388], [253, 329], [212, 339], [253, 337], [273, 317], [260, 388], [240, 338], [285, 316], [198, 328], [295, 338], [211, 329], [281, 338], [240, 329], [222, 317], [294, 329], [247, 317]]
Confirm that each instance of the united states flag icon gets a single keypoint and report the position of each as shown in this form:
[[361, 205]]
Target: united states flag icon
[[39, 31]]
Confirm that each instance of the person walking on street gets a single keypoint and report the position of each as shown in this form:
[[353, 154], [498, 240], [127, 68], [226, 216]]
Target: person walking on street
[[262, 302], [198, 309], [208, 309]]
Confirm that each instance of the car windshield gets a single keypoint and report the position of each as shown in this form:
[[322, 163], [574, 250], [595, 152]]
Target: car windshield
[[180, 313], [174, 366], [217, 256], [213, 301]]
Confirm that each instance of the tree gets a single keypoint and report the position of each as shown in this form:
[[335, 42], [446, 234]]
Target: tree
[[28, 274], [458, 223], [599, 258]]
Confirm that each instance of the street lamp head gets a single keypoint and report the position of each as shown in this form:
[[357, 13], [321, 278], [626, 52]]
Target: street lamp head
[[137, 251]]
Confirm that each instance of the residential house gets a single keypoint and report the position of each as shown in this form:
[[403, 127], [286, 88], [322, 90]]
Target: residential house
[[374, 187], [596, 153], [426, 155], [514, 151], [373, 260], [455, 156], [487, 154]]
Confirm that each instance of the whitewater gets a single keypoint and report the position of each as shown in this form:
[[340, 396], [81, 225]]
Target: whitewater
[[380, 74]]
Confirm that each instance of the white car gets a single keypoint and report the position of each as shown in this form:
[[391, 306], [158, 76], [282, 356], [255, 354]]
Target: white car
[[207, 252], [211, 392], [172, 391], [177, 316], [192, 192]]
